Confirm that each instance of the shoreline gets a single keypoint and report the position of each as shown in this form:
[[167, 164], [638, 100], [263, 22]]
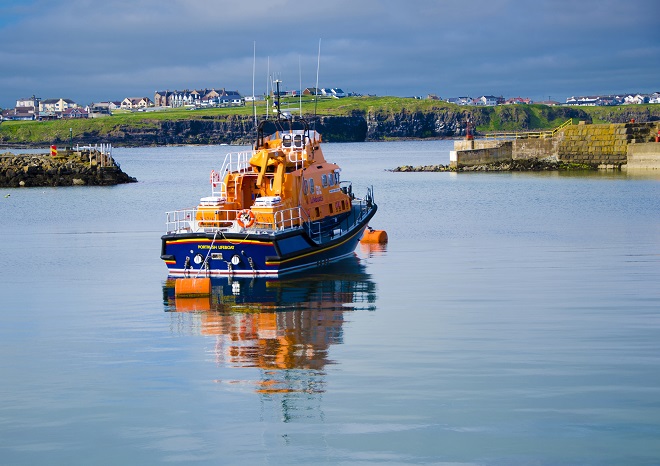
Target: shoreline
[[509, 166]]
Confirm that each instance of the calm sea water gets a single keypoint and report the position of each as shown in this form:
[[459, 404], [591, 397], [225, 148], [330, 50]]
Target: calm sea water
[[513, 319]]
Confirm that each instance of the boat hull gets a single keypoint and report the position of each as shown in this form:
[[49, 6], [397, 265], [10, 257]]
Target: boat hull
[[269, 255]]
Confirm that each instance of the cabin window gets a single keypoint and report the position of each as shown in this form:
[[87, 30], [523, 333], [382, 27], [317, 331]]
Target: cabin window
[[331, 179], [305, 187], [324, 180], [336, 177], [311, 186]]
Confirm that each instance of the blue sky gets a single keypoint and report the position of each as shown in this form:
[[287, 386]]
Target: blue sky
[[90, 50]]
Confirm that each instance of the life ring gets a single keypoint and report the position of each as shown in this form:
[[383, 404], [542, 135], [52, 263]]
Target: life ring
[[245, 218]]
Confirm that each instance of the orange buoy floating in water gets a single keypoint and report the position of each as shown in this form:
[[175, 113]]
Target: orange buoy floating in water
[[191, 287], [374, 236]]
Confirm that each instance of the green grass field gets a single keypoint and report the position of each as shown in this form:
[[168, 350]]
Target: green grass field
[[500, 118]]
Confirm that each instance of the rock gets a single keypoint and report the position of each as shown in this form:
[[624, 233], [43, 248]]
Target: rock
[[43, 170]]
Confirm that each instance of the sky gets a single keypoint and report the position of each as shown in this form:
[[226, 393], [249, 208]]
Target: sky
[[100, 50]]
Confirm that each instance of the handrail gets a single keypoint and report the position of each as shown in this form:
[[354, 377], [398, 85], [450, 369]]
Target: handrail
[[195, 220], [528, 134], [198, 220]]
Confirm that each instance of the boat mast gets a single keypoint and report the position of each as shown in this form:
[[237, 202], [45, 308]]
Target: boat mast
[[316, 89], [254, 64]]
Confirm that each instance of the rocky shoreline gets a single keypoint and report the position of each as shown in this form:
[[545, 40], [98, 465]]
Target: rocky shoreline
[[509, 166], [88, 168]]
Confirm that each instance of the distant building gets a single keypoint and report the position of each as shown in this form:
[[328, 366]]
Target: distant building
[[460, 100], [333, 92], [550, 103], [595, 100], [518, 101], [636, 99], [74, 113], [28, 102], [230, 98], [585, 101], [488, 100], [26, 109], [99, 109], [133, 103], [56, 105], [20, 113]]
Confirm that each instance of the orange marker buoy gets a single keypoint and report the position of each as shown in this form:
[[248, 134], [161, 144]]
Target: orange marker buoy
[[191, 287], [374, 236]]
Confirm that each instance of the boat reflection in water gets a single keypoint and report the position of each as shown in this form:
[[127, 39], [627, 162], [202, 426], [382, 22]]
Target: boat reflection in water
[[284, 327]]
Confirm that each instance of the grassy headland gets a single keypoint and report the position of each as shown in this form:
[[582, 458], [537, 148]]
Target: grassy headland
[[500, 118]]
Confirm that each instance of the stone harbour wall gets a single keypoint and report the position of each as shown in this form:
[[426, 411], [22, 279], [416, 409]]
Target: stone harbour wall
[[68, 169], [602, 144], [479, 153], [598, 146], [644, 156]]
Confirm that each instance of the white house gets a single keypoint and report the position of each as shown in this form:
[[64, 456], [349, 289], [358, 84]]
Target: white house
[[487, 100], [460, 100], [585, 101], [636, 99]]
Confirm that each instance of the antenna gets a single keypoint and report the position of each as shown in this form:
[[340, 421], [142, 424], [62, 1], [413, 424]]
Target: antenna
[[254, 64], [277, 99], [300, 86], [267, 88], [316, 89]]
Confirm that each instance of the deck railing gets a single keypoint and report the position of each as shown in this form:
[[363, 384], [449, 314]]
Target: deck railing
[[546, 134], [197, 220], [200, 220]]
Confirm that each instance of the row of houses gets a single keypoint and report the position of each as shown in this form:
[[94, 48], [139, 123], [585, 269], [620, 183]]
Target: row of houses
[[198, 98], [621, 99], [226, 98], [35, 108], [484, 100]]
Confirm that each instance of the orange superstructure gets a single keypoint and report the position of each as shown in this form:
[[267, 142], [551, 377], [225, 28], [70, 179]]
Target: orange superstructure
[[285, 181]]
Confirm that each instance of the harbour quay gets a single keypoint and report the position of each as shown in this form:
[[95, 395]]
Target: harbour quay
[[75, 166], [613, 146]]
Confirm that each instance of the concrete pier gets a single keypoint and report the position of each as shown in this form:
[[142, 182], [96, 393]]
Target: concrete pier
[[610, 146]]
